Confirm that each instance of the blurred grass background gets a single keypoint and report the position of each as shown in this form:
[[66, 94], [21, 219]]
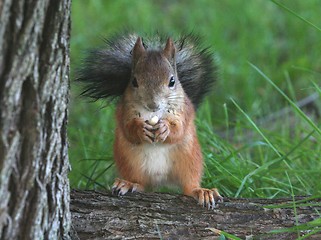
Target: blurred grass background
[[255, 143]]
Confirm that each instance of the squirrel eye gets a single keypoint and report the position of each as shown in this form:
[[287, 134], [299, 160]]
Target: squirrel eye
[[171, 82], [134, 82]]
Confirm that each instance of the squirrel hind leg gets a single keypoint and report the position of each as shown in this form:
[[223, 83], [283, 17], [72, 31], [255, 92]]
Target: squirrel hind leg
[[121, 187], [206, 197]]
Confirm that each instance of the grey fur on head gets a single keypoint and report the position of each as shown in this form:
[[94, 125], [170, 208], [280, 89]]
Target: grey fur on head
[[106, 72]]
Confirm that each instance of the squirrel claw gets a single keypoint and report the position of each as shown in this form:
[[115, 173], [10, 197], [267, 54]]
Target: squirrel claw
[[161, 131], [207, 197], [148, 136], [121, 187], [145, 133], [148, 126]]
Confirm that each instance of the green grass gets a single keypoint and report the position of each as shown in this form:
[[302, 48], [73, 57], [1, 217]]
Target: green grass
[[256, 140]]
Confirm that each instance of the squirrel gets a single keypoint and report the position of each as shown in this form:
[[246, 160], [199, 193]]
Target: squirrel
[[159, 88]]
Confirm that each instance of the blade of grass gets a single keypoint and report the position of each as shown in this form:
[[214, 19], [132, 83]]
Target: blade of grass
[[158, 231], [293, 203], [317, 87], [295, 107], [225, 234], [266, 165], [103, 171], [300, 203], [290, 85], [97, 183], [317, 230], [226, 120], [93, 159], [316, 223], [295, 14], [308, 70], [91, 177], [256, 128], [257, 170]]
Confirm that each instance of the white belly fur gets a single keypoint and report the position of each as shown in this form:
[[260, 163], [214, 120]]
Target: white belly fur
[[156, 163]]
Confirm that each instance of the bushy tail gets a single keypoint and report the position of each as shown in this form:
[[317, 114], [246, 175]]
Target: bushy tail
[[105, 73]]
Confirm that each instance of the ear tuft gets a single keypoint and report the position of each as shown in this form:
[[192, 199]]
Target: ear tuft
[[169, 50], [138, 50]]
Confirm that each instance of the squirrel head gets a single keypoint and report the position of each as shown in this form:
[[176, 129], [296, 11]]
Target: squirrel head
[[154, 84]]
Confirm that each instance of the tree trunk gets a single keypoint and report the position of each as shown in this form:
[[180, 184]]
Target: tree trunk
[[99, 215], [34, 88]]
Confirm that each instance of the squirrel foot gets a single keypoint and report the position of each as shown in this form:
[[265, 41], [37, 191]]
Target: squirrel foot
[[121, 187], [207, 197]]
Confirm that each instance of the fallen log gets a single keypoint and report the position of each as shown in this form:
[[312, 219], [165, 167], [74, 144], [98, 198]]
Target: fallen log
[[101, 215]]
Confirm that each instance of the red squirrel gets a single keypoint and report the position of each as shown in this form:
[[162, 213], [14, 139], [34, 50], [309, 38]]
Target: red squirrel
[[159, 88]]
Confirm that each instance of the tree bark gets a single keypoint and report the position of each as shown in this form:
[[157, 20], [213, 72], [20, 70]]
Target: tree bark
[[34, 88], [98, 215]]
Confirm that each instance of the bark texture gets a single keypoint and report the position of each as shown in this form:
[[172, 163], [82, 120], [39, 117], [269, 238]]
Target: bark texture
[[34, 86], [98, 215]]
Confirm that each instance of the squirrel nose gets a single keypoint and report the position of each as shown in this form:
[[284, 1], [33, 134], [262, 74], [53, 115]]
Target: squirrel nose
[[153, 107]]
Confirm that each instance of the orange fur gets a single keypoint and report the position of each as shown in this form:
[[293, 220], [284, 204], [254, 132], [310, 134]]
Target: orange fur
[[185, 154]]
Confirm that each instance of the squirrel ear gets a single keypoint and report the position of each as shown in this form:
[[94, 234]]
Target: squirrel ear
[[169, 50], [138, 49]]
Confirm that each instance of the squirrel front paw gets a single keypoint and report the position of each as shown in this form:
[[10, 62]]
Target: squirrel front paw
[[161, 131], [207, 197], [144, 131], [121, 187]]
